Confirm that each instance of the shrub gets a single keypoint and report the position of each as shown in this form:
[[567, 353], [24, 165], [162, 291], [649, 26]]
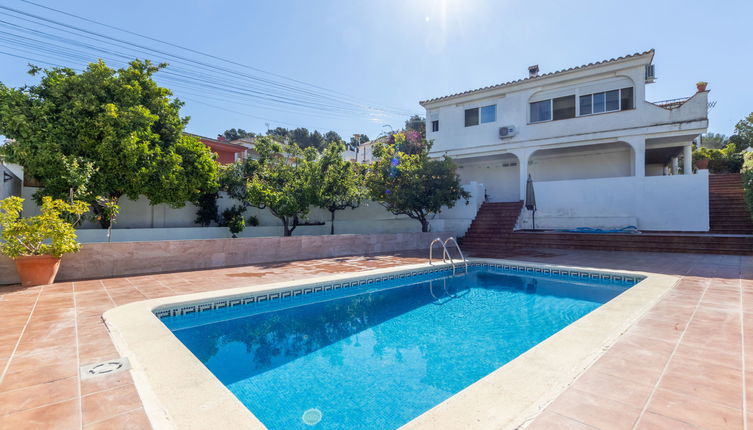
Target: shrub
[[232, 218], [747, 172], [46, 234], [725, 160]]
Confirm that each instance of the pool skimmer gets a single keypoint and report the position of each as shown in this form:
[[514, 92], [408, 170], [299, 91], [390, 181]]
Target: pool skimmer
[[106, 367]]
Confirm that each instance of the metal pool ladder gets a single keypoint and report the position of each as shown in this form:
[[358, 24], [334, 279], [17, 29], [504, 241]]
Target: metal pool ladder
[[446, 254]]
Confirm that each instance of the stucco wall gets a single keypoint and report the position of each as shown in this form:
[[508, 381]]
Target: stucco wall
[[100, 260], [139, 221], [678, 202]]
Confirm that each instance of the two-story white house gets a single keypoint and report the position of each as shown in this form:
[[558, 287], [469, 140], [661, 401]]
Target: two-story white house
[[600, 155]]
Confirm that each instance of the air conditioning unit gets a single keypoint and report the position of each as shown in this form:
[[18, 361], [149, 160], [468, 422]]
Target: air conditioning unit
[[507, 131], [650, 75]]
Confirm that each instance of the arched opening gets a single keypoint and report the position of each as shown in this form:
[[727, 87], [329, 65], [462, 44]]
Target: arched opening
[[607, 160], [500, 174]]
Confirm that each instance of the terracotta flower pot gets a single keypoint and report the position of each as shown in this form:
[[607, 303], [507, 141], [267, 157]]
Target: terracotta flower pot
[[701, 87], [37, 269], [702, 164]]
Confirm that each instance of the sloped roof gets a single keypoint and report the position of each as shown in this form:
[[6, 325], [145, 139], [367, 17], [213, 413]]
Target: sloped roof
[[545, 75]]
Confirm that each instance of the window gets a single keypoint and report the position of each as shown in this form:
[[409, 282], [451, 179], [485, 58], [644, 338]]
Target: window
[[435, 125], [541, 111], [481, 115], [471, 117], [608, 101], [626, 98], [488, 114], [563, 107]]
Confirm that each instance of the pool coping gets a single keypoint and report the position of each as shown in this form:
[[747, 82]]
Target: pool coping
[[178, 391]]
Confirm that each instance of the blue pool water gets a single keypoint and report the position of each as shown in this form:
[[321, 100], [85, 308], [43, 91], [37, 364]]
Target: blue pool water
[[379, 358]]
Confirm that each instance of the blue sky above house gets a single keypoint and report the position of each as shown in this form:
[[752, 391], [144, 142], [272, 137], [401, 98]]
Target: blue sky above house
[[395, 53]]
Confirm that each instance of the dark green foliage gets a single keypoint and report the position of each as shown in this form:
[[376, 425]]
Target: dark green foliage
[[232, 218], [208, 210], [413, 184], [105, 133], [747, 173]]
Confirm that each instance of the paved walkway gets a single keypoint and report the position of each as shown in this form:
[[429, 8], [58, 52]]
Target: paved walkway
[[682, 366]]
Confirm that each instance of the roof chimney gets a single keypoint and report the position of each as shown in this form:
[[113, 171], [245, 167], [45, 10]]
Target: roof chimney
[[533, 71]]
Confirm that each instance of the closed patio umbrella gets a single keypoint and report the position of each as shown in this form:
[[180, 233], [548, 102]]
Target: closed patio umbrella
[[531, 200]]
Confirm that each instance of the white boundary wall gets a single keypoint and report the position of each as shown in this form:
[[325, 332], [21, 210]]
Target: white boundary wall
[[675, 203], [140, 221]]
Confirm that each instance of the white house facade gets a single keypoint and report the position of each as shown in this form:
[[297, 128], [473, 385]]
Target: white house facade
[[599, 154]]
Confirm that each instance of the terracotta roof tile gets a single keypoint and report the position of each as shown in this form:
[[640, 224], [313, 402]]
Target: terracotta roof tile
[[545, 75]]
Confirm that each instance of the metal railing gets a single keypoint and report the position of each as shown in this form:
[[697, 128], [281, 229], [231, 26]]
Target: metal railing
[[446, 254], [671, 103]]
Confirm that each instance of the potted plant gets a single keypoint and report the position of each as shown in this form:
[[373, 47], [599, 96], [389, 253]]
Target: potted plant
[[701, 159], [37, 243], [701, 86]]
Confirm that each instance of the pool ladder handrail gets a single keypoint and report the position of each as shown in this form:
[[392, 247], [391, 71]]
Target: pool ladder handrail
[[446, 254], [457, 246]]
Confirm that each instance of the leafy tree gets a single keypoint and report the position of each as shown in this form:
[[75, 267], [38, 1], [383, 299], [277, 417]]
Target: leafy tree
[[282, 180], [103, 134], [747, 173], [332, 137], [279, 132], [357, 139], [233, 134], [714, 140], [208, 210], [413, 184], [744, 132], [341, 183], [416, 123]]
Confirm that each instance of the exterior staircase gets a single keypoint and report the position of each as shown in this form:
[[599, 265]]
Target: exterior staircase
[[491, 233], [728, 213]]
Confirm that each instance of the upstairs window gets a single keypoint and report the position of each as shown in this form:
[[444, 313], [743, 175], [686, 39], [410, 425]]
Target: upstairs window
[[471, 117], [607, 101], [541, 111], [488, 114], [435, 125], [481, 115], [563, 107]]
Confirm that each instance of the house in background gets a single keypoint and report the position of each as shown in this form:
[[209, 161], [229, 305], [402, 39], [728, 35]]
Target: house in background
[[227, 152], [599, 154]]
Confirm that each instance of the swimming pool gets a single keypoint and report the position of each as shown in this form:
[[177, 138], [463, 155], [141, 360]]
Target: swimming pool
[[376, 353]]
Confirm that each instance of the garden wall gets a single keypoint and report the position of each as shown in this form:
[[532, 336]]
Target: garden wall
[[140, 221], [101, 260]]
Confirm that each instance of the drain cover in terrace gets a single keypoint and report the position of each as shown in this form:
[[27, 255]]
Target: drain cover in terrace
[[107, 367]]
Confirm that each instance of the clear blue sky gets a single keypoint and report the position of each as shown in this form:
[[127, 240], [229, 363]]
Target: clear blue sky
[[395, 53]]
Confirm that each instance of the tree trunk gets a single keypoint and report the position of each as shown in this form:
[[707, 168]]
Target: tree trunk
[[286, 230], [332, 222], [424, 223]]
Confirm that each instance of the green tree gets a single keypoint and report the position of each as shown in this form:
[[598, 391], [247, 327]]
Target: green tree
[[413, 184], [117, 129], [341, 183], [233, 134], [282, 180], [416, 123], [332, 137], [714, 140], [744, 132]]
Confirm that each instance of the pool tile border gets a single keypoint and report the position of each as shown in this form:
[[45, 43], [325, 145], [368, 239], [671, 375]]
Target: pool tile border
[[324, 287]]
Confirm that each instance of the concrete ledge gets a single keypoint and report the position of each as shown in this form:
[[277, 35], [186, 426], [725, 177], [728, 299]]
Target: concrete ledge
[[104, 260]]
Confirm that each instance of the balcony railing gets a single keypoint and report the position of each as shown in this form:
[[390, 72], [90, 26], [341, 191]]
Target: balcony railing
[[671, 103]]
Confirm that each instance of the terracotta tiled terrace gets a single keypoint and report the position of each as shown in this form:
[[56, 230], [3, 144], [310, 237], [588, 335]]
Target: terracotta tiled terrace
[[686, 364]]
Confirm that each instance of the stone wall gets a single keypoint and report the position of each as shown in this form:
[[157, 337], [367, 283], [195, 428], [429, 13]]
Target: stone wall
[[102, 260]]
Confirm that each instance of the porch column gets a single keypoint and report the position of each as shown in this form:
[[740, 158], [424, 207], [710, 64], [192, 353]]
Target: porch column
[[639, 155], [675, 166], [687, 160], [523, 156]]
